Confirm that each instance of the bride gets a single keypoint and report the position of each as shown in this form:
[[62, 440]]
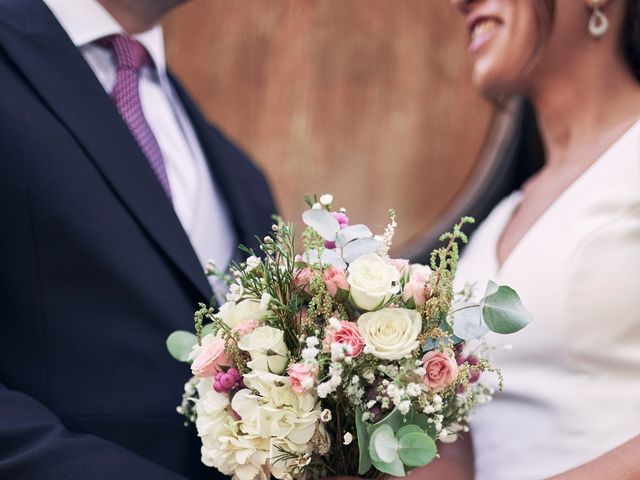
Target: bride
[[568, 242]]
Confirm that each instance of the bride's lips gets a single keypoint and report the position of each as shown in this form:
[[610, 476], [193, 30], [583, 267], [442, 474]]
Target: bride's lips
[[482, 28]]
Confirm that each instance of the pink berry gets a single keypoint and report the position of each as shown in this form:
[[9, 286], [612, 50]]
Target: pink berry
[[227, 382], [234, 373], [218, 387], [219, 375]]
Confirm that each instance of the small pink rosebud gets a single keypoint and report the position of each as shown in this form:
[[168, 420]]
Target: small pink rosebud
[[347, 334], [417, 289], [441, 370], [335, 279], [301, 374], [302, 279], [210, 360]]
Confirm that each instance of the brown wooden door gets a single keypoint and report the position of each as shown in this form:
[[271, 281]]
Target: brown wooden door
[[367, 99]]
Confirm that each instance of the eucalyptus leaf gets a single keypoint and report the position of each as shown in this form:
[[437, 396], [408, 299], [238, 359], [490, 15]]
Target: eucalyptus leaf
[[394, 468], [408, 429], [416, 449], [395, 420], [180, 343], [364, 463], [503, 311], [357, 248], [322, 222], [418, 419], [383, 446], [327, 257], [207, 329], [468, 323], [352, 232], [333, 258]]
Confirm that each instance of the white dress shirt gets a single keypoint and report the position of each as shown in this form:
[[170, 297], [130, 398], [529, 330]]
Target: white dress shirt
[[196, 201], [572, 378]]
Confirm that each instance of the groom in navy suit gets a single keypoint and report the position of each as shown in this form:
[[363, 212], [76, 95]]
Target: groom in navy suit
[[114, 193]]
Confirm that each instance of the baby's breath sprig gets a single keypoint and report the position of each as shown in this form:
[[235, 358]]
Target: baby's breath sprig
[[389, 233]]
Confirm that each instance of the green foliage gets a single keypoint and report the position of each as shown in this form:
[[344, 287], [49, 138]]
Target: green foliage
[[395, 442], [180, 344], [502, 310], [416, 449], [364, 463]]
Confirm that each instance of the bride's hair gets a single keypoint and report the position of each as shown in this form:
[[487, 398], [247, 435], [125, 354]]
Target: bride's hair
[[631, 36], [630, 41]]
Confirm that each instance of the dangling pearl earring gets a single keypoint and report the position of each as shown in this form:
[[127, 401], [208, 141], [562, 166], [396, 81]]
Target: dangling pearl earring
[[598, 23]]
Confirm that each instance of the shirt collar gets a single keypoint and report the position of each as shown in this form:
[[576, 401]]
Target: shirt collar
[[87, 21]]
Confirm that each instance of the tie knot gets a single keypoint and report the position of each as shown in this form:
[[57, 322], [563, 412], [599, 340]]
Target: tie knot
[[130, 54]]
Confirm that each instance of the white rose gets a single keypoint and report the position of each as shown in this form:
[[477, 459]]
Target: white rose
[[372, 281], [233, 314], [267, 349], [391, 333]]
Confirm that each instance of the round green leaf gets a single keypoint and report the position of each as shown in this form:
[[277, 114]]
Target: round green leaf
[[416, 449], [502, 310], [394, 468], [383, 446], [408, 429], [180, 343]]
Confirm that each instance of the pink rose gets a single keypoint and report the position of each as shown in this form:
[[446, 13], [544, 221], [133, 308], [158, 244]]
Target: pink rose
[[302, 279], [302, 377], [401, 265], [346, 334], [441, 370], [334, 279], [210, 360], [417, 288], [245, 327]]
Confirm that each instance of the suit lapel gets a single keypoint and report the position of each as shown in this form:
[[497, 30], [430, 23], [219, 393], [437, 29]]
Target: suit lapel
[[57, 71]]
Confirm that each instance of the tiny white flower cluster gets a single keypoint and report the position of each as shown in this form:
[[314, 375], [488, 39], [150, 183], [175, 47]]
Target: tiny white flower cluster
[[355, 390], [252, 263], [311, 352], [387, 238], [331, 385], [235, 292], [326, 199]]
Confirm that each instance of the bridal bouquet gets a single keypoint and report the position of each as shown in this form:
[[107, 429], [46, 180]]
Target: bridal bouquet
[[340, 360]]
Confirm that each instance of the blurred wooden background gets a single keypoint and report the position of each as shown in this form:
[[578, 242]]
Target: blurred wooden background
[[367, 99]]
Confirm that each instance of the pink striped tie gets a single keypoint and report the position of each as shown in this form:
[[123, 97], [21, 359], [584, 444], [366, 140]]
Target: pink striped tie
[[130, 57]]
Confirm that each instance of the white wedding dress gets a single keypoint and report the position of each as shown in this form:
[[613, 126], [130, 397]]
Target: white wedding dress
[[572, 376]]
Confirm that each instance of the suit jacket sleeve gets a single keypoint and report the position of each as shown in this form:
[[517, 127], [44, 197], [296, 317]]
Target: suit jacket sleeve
[[34, 445]]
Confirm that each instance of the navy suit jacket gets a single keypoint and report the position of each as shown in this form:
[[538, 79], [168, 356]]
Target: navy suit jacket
[[95, 270]]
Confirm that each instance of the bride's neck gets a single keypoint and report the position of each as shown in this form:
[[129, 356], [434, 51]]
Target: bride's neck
[[583, 110]]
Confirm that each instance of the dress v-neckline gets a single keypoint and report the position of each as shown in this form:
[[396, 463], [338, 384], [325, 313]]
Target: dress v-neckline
[[515, 199]]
